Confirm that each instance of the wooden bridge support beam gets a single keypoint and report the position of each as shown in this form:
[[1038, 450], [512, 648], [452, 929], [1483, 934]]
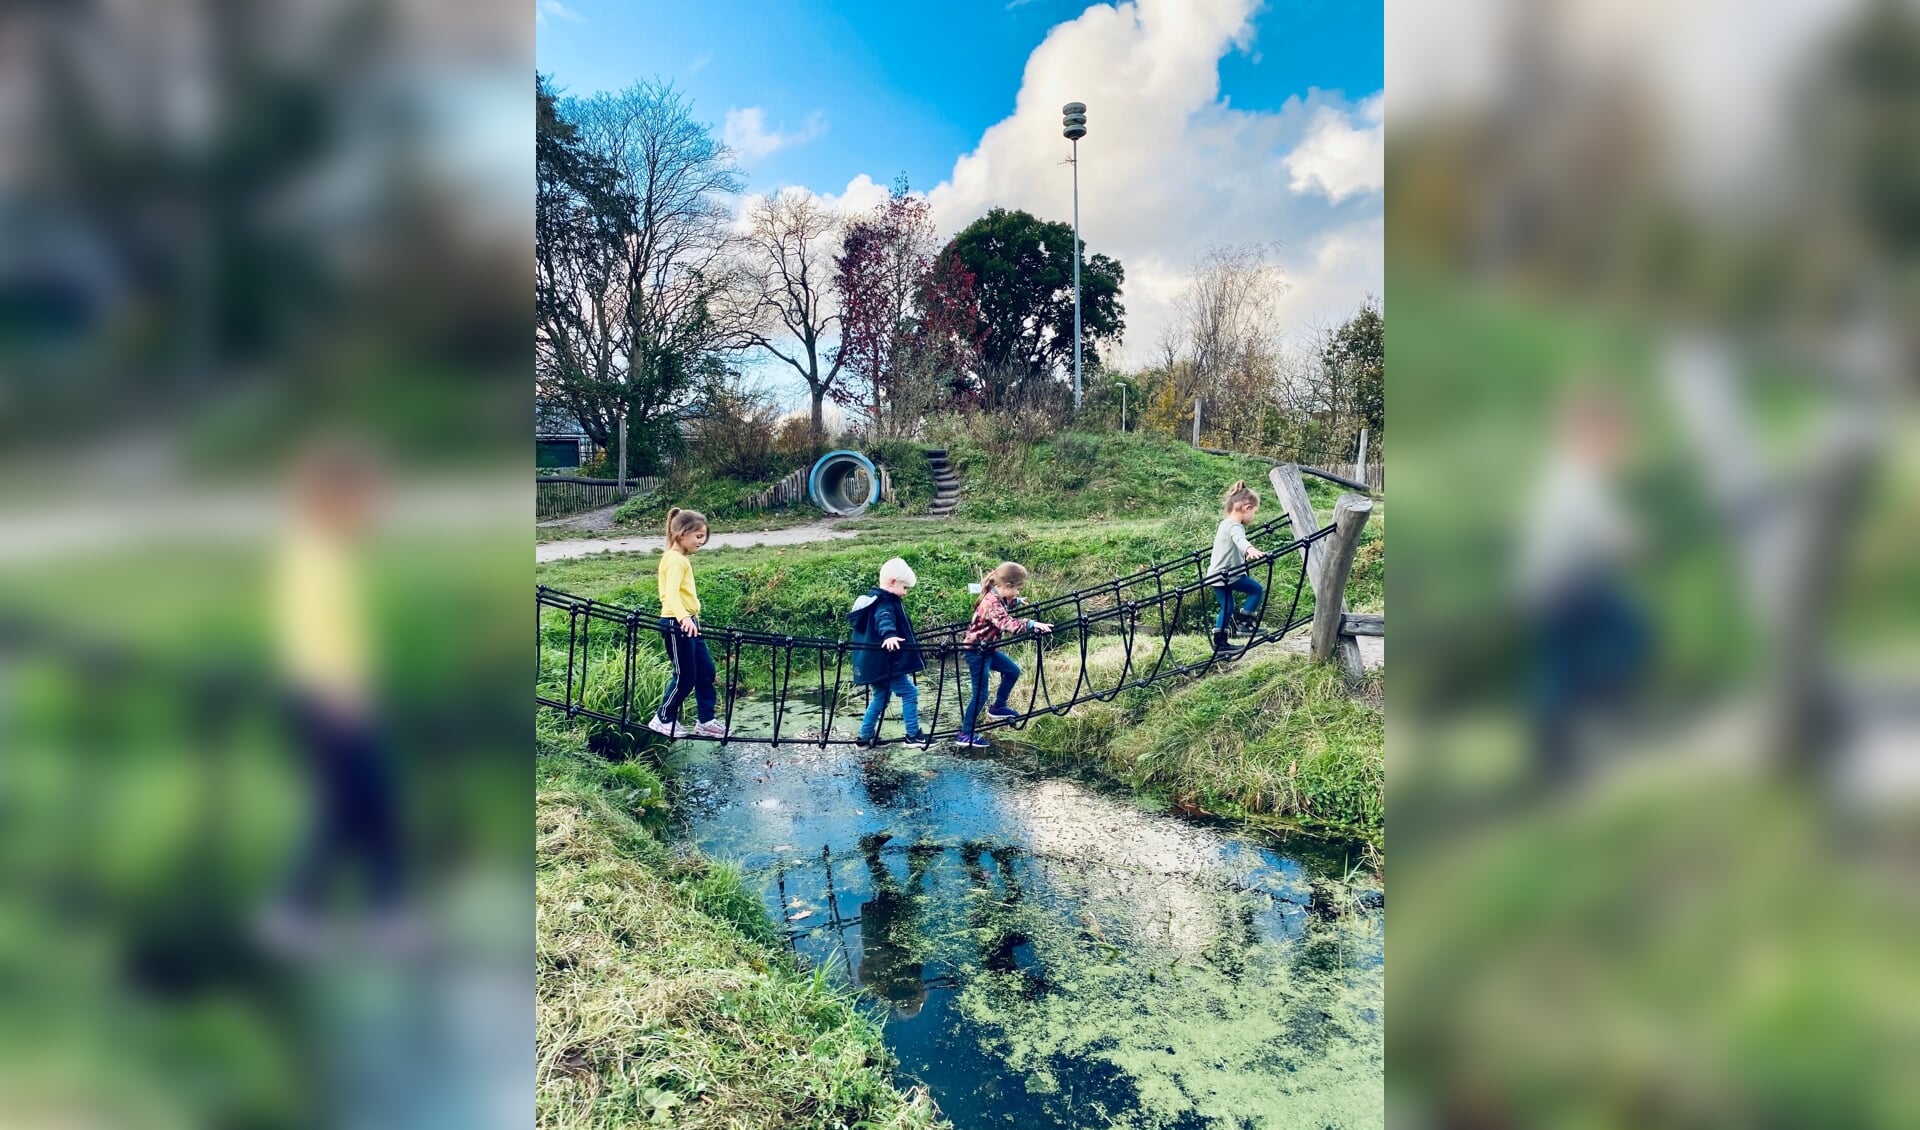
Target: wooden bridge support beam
[[1329, 563], [1336, 563]]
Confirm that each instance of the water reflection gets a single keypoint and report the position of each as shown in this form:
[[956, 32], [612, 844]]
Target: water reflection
[[890, 927], [995, 909], [1049, 955]]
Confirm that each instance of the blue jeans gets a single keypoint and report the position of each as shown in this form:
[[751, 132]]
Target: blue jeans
[[692, 673], [978, 664], [1248, 607], [1591, 646], [901, 685]]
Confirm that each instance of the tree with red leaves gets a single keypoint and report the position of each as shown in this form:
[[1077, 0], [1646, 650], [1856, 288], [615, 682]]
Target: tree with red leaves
[[883, 258], [948, 330]]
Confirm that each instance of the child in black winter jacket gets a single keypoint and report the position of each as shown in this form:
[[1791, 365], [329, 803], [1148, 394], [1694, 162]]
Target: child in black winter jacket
[[886, 654]]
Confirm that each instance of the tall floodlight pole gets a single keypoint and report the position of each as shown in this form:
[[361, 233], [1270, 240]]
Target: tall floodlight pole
[[1073, 126]]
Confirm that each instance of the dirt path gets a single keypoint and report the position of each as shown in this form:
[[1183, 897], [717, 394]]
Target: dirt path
[[582, 547], [601, 519], [1373, 649]]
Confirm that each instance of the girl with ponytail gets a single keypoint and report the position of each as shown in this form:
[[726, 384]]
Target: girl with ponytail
[[1231, 552], [999, 590], [680, 626]]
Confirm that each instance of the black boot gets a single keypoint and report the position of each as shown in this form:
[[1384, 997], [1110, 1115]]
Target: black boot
[[1220, 639]]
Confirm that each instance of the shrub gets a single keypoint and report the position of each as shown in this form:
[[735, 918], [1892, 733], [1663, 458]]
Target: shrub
[[906, 463], [794, 445], [734, 438]]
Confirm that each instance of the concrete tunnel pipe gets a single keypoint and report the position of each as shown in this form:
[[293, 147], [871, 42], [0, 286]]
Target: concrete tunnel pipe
[[843, 483]]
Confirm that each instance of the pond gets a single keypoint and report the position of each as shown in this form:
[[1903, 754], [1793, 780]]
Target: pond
[[1047, 952]]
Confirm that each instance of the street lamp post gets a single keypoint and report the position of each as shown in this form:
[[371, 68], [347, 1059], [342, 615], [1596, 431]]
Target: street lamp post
[[1073, 126]]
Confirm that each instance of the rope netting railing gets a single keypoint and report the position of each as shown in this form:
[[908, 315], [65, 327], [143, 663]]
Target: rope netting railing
[[1128, 632]]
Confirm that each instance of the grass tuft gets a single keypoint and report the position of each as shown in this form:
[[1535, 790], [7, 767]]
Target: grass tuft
[[1273, 737], [661, 999]]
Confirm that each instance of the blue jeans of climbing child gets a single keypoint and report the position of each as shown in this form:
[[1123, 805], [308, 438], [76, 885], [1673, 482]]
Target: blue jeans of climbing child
[[909, 695], [1248, 607], [979, 663]]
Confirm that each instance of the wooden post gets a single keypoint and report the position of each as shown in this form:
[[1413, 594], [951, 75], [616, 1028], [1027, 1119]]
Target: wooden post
[[623, 451], [1196, 421], [1292, 491], [1360, 461], [1349, 518]]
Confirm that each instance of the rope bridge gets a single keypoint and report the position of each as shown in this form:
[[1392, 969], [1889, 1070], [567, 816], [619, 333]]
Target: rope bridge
[[807, 675]]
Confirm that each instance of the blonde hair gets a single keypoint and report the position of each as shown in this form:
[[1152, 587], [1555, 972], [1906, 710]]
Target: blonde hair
[[1240, 494], [898, 570], [1011, 574], [680, 523]]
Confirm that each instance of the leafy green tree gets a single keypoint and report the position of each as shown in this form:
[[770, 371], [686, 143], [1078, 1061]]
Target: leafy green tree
[[1022, 270], [1355, 357]]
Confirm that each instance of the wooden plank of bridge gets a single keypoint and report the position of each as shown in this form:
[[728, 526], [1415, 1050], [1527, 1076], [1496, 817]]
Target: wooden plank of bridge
[[1363, 624]]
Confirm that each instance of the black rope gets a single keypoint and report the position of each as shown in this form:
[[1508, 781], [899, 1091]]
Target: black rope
[[943, 645]]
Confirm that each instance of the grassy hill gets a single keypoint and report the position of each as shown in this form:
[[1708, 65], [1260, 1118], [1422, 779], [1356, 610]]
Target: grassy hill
[[1100, 475], [662, 996]]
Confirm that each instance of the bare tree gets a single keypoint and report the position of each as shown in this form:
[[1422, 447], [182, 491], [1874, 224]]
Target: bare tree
[[1225, 327], [784, 303], [626, 318]]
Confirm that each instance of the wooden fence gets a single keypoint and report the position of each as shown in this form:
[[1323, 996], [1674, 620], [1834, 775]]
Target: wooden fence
[[786, 492], [1376, 477], [556, 496], [792, 490], [560, 495]]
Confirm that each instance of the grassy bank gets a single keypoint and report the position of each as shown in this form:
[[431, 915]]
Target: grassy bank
[[1071, 475], [661, 994], [806, 589], [1273, 738], [1104, 475], [1267, 739]]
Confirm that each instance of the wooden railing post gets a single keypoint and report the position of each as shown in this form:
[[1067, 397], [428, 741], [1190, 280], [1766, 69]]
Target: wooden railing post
[[1336, 562], [1329, 562]]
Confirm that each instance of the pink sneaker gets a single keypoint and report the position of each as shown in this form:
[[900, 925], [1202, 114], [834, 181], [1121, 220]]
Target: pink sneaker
[[670, 729], [713, 729]]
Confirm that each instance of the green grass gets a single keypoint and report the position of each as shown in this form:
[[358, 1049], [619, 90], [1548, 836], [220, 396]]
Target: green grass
[[662, 998], [1227, 741], [716, 497], [1072, 475], [1273, 737], [806, 589], [1099, 475]]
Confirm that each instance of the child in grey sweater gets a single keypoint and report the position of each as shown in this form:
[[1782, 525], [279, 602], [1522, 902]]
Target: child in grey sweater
[[1231, 551]]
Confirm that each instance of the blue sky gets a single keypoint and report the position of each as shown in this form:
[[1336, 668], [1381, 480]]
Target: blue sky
[[1212, 122], [905, 93]]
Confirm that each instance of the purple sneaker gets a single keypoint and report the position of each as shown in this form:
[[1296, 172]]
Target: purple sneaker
[[998, 711], [972, 741]]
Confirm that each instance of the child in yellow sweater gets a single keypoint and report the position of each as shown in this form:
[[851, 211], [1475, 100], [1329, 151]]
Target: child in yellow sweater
[[680, 625]]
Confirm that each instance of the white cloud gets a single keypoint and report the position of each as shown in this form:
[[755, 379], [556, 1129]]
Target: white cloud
[[862, 195], [1168, 168], [746, 133], [544, 8], [1338, 159], [699, 63]]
